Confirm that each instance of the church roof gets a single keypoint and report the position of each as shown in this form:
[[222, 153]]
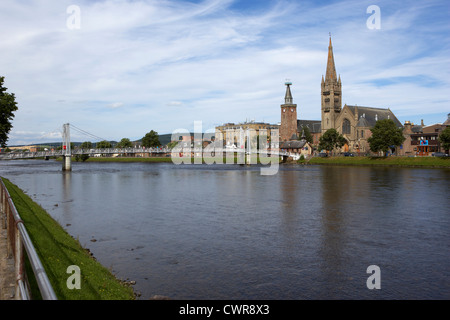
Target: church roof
[[314, 126], [372, 115], [298, 144], [362, 122]]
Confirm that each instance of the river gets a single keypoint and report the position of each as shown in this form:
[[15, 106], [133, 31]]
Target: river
[[228, 232]]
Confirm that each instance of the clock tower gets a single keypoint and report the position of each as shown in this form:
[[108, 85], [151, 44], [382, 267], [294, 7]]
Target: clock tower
[[288, 128]]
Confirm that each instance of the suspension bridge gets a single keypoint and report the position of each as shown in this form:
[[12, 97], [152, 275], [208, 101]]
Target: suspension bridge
[[183, 150]]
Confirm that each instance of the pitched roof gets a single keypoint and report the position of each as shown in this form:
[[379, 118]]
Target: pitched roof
[[447, 122], [416, 128], [297, 144], [372, 115], [362, 122], [314, 126]]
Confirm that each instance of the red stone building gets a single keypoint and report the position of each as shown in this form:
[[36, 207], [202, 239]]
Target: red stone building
[[288, 127], [423, 140]]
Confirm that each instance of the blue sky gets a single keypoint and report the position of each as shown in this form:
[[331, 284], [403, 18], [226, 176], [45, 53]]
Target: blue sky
[[136, 66]]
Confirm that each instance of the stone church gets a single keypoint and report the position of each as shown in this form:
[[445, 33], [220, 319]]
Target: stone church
[[352, 121]]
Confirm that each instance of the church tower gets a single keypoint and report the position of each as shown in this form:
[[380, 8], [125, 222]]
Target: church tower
[[288, 128], [331, 94]]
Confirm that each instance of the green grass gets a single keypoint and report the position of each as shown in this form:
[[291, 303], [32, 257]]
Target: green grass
[[384, 161], [58, 250]]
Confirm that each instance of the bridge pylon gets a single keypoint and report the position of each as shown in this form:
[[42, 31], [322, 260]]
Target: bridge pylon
[[67, 152]]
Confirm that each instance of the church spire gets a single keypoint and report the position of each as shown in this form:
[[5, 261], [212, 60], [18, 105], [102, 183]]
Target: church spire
[[288, 97], [331, 69], [331, 90]]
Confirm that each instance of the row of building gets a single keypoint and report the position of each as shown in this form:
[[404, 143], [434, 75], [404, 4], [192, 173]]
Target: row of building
[[352, 121]]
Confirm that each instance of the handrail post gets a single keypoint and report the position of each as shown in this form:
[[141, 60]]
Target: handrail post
[[10, 231], [3, 206]]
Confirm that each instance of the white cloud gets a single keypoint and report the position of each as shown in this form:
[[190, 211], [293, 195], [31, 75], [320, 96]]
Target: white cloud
[[174, 103], [115, 105]]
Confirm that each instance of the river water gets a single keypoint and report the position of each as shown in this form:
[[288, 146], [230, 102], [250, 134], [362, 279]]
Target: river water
[[228, 232]]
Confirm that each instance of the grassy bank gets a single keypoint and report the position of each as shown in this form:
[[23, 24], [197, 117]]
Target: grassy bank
[[384, 161], [431, 162], [58, 250]]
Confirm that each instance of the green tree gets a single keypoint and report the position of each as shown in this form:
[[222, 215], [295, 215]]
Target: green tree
[[82, 157], [172, 144], [151, 140], [125, 143], [104, 144], [8, 105], [307, 133], [385, 135], [444, 139], [331, 139], [86, 145]]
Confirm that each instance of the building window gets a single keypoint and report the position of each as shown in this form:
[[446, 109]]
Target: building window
[[362, 133], [346, 126]]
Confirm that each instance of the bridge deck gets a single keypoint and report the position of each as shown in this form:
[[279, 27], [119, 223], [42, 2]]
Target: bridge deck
[[132, 151]]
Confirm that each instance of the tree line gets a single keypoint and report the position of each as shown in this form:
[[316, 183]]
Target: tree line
[[150, 140]]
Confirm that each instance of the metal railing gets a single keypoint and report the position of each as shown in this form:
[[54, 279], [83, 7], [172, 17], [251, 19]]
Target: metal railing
[[18, 239], [110, 151], [59, 153]]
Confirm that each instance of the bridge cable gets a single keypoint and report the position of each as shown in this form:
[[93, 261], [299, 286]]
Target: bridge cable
[[81, 131]]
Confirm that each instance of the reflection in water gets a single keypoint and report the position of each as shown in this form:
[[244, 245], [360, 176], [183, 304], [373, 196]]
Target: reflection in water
[[67, 197], [334, 192], [226, 232]]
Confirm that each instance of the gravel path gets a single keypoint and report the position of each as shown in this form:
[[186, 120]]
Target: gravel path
[[6, 266]]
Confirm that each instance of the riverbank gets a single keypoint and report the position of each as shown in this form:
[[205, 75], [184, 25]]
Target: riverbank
[[58, 250], [423, 162], [160, 159]]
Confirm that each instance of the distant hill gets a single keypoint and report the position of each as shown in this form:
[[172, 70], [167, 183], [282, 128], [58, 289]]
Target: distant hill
[[164, 139]]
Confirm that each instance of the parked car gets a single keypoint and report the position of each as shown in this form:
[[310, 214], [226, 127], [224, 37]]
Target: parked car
[[323, 154], [348, 154], [439, 154]]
